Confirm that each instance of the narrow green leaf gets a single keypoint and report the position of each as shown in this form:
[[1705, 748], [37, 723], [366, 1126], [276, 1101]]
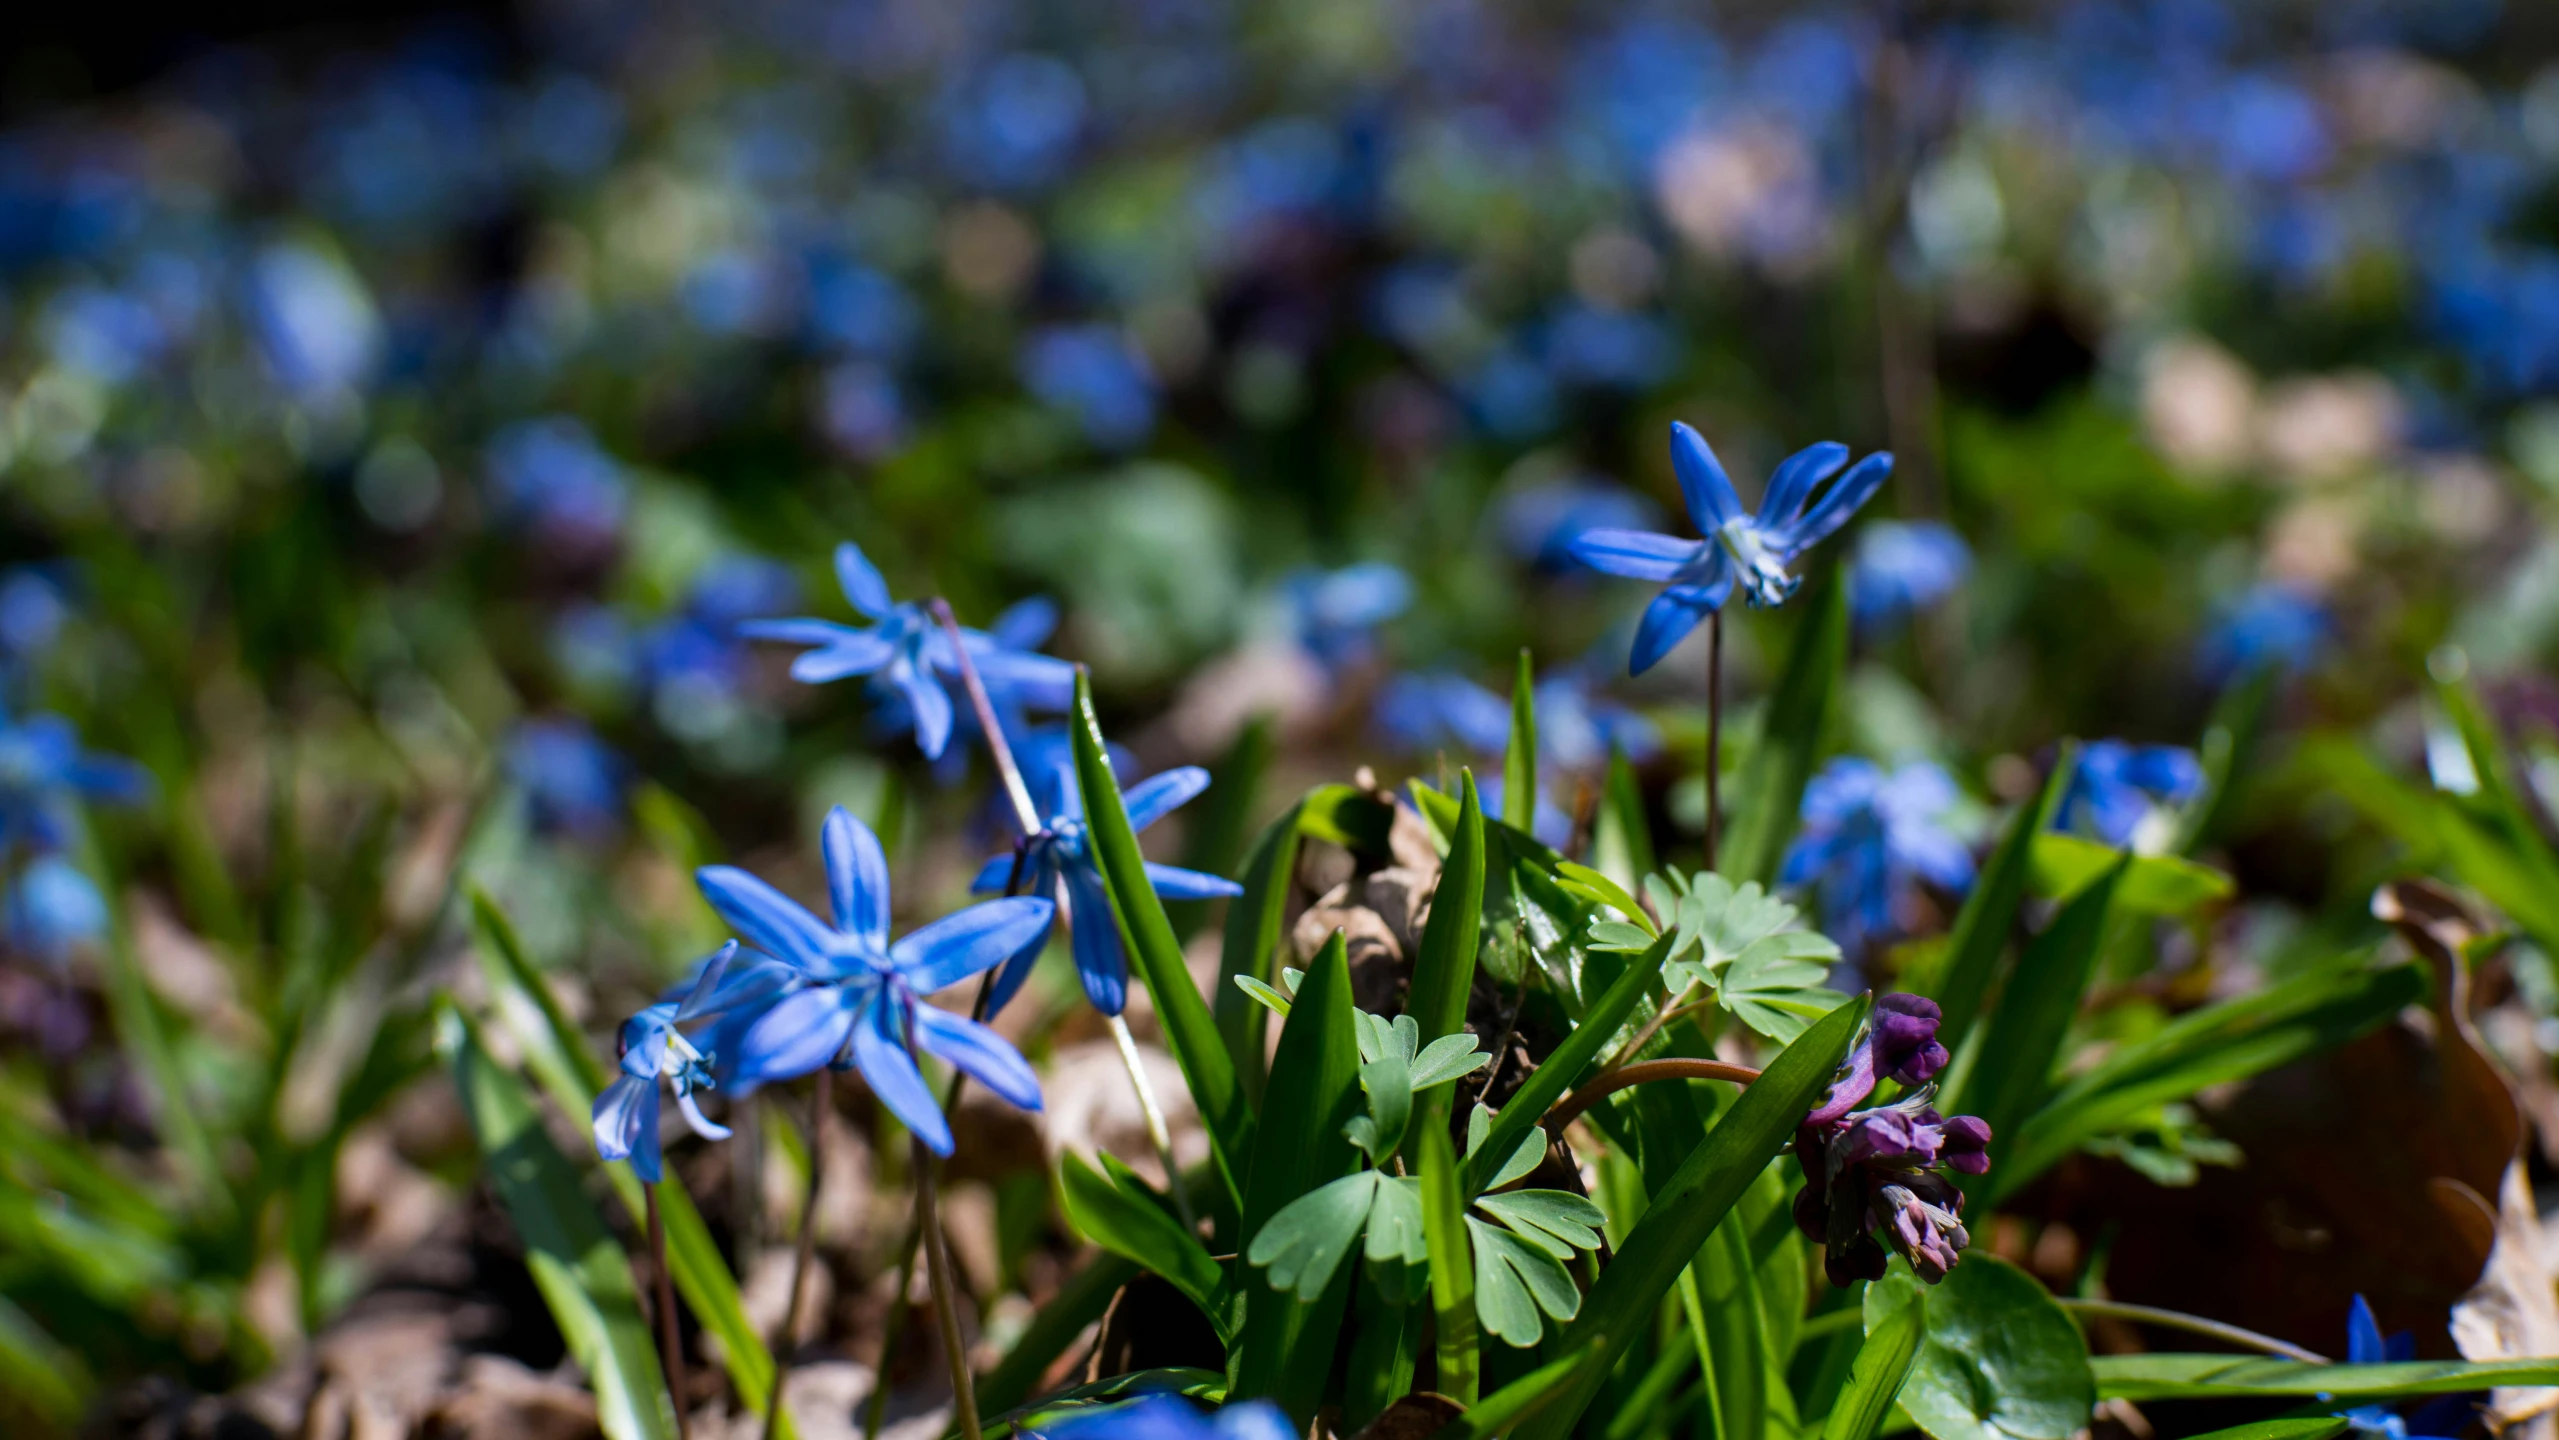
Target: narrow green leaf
[[1204, 1386], [1078, 1303], [1601, 888], [1287, 1344], [1883, 1362], [2013, 1074], [1132, 1225], [2001, 1361], [582, 1273], [1253, 923], [1686, 1210], [2298, 1427], [1444, 970], [1622, 845], [1534, 1396], [1735, 1326], [1981, 928], [1386, 1338], [1215, 826], [1580, 1050], [1519, 761], [136, 1015], [1189, 1029], [2229, 747], [37, 1373], [1451, 1258], [2064, 865], [1791, 739], [2173, 1376]]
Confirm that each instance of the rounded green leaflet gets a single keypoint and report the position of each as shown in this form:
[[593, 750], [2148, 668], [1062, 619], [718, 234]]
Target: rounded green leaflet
[[2002, 1361]]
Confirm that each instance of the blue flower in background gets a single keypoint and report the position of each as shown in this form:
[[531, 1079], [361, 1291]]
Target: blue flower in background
[[1902, 567], [1093, 373], [1577, 726], [52, 909], [1869, 836], [1429, 710], [103, 332], [551, 478], [1024, 627], [692, 662], [33, 608], [45, 774], [1168, 1417], [1739, 548], [1440, 710], [2118, 786], [1538, 523], [1608, 349], [1059, 861], [572, 782], [2365, 1346], [907, 656], [860, 994], [1014, 125], [313, 319], [2271, 625], [1334, 614], [862, 410], [652, 1048]]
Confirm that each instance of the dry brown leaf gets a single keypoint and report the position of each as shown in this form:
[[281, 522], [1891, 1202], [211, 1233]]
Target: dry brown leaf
[[2513, 1312]]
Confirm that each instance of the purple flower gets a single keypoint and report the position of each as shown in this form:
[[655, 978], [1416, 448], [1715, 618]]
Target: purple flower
[[652, 1048], [1878, 1169], [855, 997], [1752, 551]]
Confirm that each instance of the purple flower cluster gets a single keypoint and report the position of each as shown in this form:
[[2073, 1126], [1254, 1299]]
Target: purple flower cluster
[[1879, 1169]]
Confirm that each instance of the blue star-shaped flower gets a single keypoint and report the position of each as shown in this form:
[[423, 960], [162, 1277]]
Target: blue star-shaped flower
[[2117, 786], [1168, 1417], [855, 993], [1739, 548], [44, 774], [1059, 861], [906, 655], [652, 1049], [2365, 1346], [1869, 835], [1904, 566]]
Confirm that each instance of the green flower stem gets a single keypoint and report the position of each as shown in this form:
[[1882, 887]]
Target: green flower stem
[[807, 1246], [1156, 1130], [937, 1265], [1570, 1108], [2193, 1325], [668, 1340], [1714, 732]]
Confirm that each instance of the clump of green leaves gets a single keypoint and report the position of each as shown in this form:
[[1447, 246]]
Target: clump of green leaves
[[1742, 945]]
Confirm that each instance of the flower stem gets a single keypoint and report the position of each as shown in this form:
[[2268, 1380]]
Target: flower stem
[[2193, 1325], [669, 1342], [1570, 1108], [1156, 1129], [1714, 733], [891, 1328], [998, 747], [807, 1249], [937, 1263]]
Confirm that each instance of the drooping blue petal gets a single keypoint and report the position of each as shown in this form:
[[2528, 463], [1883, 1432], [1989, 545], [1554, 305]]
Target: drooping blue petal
[[1175, 883], [702, 1124], [1157, 796], [930, 705], [798, 631], [770, 920], [1838, 503], [704, 995], [979, 1053], [955, 947], [861, 581], [1635, 554], [1712, 501], [857, 876], [1670, 617], [626, 1125], [803, 1031], [1793, 483], [1009, 976], [879, 1052], [992, 875], [855, 652], [1099, 961]]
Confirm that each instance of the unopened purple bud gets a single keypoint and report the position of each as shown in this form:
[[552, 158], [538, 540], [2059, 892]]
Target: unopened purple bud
[[1905, 1039], [1967, 1144], [1932, 1239]]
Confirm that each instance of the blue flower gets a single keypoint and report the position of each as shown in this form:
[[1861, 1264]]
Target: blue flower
[[52, 909], [856, 994], [1059, 861], [1168, 1417], [1440, 710], [2117, 786], [1429, 710], [1577, 726], [314, 320], [1334, 613], [907, 656], [1094, 374], [2272, 624], [571, 780], [625, 1119], [1739, 548], [1869, 837], [2365, 1346], [551, 478], [44, 774], [1539, 523], [33, 607], [1902, 567]]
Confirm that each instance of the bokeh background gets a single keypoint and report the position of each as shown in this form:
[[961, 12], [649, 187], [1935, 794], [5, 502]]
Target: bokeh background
[[397, 418]]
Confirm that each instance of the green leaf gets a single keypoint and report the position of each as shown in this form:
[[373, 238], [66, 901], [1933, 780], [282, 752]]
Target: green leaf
[[2001, 1361], [1514, 1280], [2173, 1376], [1686, 1209], [1189, 1030], [1556, 1221], [1444, 968], [1307, 1240], [1349, 817], [1533, 1396], [1599, 889], [1622, 843], [1254, 921], [1579, 1051], [582, 1273], [2227, 751], [2013, 1074], [1519, 761], [1115, 1212], [1776, 992], [1894, 1329], [37, 1373], [1204, 1386], [1524, 1157], [1620, 936], [1792, 735], [1452, 1265], [1450, 1057], [1396, 1241], [1213, 829], [1981, 928], [2064, 865], [1055, 1326], [1286, 1348], [1380, 1132]]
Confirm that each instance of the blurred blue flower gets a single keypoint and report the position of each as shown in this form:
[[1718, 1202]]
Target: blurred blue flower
[[1902, 567], [571, 125], [907, 656], [1752, 551], [1609, 349], [552, 479], [1422, 711], [53, 909], [33, 608], [2273, 624], [314, 320], [861, 996], [1093, 373], [856, 309], [692, 662], [1282, 167], [2117, 786], [1511, 396], [2365, 1346], [1869, 837], [1168, 1417], [1059, 861], [1013, 125], [571, 781], [102, 332], [1334, 614], [862, 411], [1538, 523], [45, 774], [651, 1048], [1577, 725]]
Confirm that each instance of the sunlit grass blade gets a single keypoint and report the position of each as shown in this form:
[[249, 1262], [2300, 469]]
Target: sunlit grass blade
[[1253, 923], [1876, 1375], [2172, 1376], [1444, 971], [1189, 1029], [1792, 734], [1114, 1215], [1519, 759], [1581, 1049], [582, 1273], [1982, 927], [1686, 1210], [1459, 1341], [2012, 1075]]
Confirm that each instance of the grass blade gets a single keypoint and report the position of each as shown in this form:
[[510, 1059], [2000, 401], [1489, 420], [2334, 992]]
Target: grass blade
[[2202, 1377], [1253, 922], [2013, 1074], [1580, 1050], [1189, 1029], [1686, 1210], [1990, 912], [1452, 1261], [1444, 971], [1532, 1396], [1519, 760], [2296, 1427], [40, 1381], [1791, 739], [1876, 1375], [1133, 1226]]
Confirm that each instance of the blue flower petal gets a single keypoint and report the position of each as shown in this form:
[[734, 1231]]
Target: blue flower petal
[[854, 653], [797, 631], [861, 581], [992, 875], [770, 920], [1175, 883], [1670, 617], [1793, 483], [1025, 625], [955, 947], [879, 1052], [1635, 554], [1157, 796], [622, 1111], [1712, 501], [1096, 937], [1838, 503], [857, 876], [2364, 1345], [929, 703], [706, 985], [802, 1032], [978, 1053]]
